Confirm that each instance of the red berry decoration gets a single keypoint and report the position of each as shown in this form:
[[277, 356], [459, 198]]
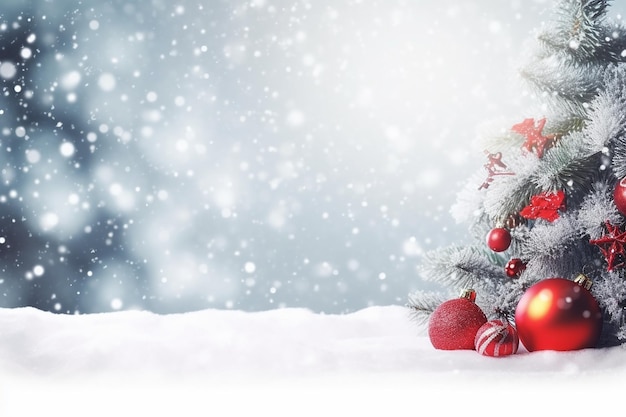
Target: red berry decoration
[[496, 338], [559, 314], [499, 239], [453, 325], [619, 196], [514, 267]]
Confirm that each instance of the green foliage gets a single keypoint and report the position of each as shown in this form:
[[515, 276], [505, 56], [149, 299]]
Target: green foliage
[[578, 71]]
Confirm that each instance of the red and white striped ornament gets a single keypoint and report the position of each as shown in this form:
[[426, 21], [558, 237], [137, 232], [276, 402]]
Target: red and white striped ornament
[[496, 338]]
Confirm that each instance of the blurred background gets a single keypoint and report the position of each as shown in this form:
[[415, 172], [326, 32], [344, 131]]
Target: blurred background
[[259, 154]]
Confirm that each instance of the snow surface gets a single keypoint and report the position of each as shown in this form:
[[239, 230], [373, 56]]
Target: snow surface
[[375, 361]]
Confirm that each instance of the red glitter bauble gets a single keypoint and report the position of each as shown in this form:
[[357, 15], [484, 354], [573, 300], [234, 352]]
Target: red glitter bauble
[[558, 314], [453, 325], [499, 239], [619, 196], [514, 267], [496, 338]]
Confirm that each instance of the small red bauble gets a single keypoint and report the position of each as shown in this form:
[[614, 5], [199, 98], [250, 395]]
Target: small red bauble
[[619, 196], [514, 267], [453, 325], [499, 239], [558, 314], [496, 338]]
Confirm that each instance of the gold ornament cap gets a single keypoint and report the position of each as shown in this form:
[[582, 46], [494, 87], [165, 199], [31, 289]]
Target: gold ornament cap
[[583, 281], [468, 294]]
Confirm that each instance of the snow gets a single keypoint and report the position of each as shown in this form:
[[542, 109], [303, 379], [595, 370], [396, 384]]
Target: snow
[[251, 155], [292, 361]]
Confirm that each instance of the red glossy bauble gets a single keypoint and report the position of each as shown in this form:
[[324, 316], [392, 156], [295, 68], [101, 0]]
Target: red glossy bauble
[[499, 239], [619, 196], [453, 325], [496, 338], [558, 314], [514, 267]]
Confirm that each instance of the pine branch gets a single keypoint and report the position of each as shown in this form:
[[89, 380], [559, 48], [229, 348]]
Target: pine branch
[[618, 162], [607, 126], [509, 194], [576, 83], [596, 208], [462, 267], [552, 240], [557, 249], [568, 166], [421, 305], [561, 123], [582, 33], [580, 24], [572, 54], [610, 291], [607, 121], [502, 302]]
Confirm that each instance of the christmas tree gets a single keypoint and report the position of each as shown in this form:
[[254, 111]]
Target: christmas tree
[[550, 201]]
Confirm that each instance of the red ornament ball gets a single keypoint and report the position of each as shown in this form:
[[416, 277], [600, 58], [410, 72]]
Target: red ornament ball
[[496, 338], [619, 196], [514, 267], [499, 239], [453, 325], [558, 314]]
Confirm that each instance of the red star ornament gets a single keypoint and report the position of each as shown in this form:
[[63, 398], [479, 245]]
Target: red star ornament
[[544, 206], [612, 246], [534, 139]]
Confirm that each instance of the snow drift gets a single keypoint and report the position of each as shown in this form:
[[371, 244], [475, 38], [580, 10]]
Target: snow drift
[[375, 361]]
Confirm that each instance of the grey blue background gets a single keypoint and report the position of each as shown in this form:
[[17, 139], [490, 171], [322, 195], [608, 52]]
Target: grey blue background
[[176, 156]]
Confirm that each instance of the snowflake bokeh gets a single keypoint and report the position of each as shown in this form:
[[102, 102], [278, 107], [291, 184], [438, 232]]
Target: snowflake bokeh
[[248, 154]]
